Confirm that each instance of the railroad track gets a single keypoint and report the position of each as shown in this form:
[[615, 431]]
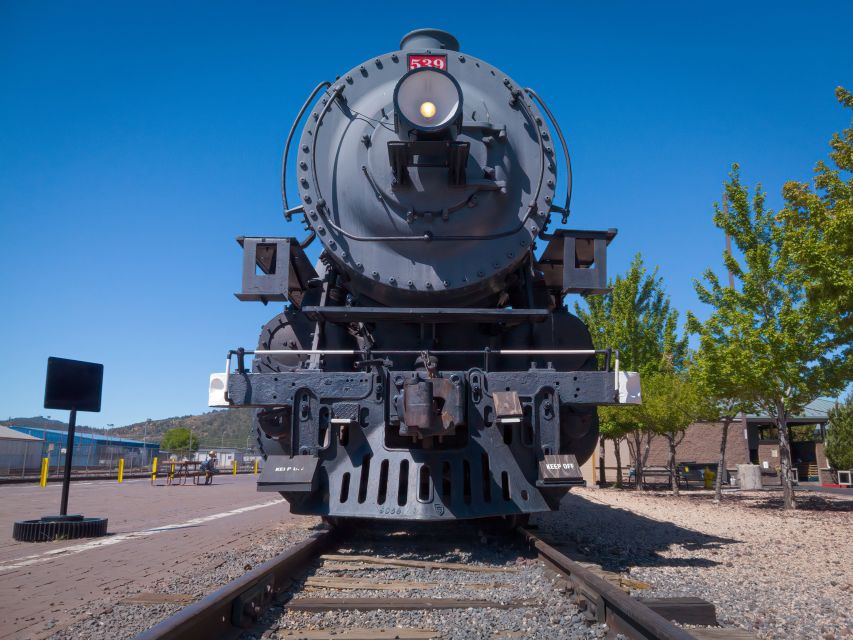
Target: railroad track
[[374, 583]]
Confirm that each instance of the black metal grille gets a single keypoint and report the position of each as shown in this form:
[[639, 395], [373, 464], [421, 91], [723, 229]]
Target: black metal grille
[[49, 530]]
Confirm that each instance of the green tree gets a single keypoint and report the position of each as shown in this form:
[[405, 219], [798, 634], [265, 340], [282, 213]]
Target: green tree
[[779, 345], [817, 228], [672, 401], [179, 439], [839, 436], [615, 423], [719, 375], [636, 318]]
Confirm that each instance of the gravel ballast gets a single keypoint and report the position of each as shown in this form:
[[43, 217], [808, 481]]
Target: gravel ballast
[[779, 575], [550, 614], [114, 619]]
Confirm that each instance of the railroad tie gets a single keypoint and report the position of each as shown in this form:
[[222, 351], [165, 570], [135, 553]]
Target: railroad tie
[[417, 564], [400, 604], [343, 633]]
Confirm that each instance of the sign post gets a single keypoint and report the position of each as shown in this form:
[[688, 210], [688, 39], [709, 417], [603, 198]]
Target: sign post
[[75, 386], [69, 455]]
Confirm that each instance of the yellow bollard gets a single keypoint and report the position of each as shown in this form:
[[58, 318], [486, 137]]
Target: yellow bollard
[[709, 476], [154, 471], [45, 465], [234, 468], [120, 469], [256, 467]]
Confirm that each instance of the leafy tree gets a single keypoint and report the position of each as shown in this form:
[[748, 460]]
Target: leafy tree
[[672, 400], [817, 228], [637, 319], [615, 423], [179, 439], [779, 345], [839, 436], [719, 376], [805, 433]]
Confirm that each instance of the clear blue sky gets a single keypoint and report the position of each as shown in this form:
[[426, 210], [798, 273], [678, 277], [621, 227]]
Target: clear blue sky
[[138, 139]]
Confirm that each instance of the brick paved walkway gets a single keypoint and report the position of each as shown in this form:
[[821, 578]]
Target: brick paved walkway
[[153, 530]]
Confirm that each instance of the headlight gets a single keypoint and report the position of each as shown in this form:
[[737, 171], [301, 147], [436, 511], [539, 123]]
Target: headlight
[[427, 99]]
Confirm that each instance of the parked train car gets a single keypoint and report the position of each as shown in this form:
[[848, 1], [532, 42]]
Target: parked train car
[[426, 367]]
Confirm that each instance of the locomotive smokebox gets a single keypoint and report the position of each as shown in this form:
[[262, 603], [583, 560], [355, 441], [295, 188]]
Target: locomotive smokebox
[[427, 175], [428, 39]]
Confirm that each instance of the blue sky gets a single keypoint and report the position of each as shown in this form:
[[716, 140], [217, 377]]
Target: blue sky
[[138, 139]]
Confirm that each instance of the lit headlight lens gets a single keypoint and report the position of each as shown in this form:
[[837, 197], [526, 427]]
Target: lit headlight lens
[[427, 110], [427, 99]]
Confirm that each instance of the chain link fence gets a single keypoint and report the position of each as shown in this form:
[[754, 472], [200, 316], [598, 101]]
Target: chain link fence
[[23, 458]]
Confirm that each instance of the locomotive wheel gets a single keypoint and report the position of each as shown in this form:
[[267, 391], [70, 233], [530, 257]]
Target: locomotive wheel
[[582, 442], [288, 330]]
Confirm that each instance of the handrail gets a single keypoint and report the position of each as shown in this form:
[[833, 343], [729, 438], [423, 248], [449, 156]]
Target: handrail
[[288, 212], [565, 211]]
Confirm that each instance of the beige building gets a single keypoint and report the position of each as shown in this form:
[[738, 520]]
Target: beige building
[[752, 439]]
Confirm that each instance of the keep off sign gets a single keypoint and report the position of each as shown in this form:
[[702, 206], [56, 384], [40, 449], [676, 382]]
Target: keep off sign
[[433, 62]]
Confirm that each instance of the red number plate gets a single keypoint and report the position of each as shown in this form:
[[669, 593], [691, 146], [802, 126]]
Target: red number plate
[[434, 62]]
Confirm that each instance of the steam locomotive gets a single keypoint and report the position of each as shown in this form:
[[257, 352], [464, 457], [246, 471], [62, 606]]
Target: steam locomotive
[[426, 367]]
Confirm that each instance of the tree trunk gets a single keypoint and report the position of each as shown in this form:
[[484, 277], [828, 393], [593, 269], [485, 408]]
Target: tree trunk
[[602, 480], [673, 479], [785, 457], [721, 467], [638, 459], [618, 455]]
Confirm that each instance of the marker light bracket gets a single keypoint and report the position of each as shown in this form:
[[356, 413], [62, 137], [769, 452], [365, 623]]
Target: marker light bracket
[[428, 153]]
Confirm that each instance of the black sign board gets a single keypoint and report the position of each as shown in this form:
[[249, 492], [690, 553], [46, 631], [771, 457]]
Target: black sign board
[[73, 385], [560, 470], [283, 473]]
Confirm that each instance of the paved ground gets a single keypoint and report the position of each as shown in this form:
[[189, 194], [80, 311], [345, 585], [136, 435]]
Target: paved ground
[[153, 531], [813, 486]]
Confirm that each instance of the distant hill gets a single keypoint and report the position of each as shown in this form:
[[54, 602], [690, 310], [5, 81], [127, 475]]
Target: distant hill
[[229, 428], [40, 422]]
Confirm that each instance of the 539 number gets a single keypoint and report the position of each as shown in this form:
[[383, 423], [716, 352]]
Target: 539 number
[[434, 62]]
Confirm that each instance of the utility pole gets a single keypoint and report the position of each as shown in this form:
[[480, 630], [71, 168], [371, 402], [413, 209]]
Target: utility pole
[[109, 426], [145, 441]]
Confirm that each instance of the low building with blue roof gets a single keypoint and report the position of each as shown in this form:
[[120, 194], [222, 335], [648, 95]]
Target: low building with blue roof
[[92, 450]]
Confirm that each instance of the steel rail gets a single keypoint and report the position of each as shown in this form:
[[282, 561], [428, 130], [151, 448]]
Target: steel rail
[[238, 605], [230, 610], [605, 603]]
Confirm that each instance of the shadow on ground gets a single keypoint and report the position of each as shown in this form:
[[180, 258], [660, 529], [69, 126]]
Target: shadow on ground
[[804, 502], [807, 501], [618, 539]]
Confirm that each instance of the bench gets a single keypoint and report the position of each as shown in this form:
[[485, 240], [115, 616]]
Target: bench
[[663, 474]]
